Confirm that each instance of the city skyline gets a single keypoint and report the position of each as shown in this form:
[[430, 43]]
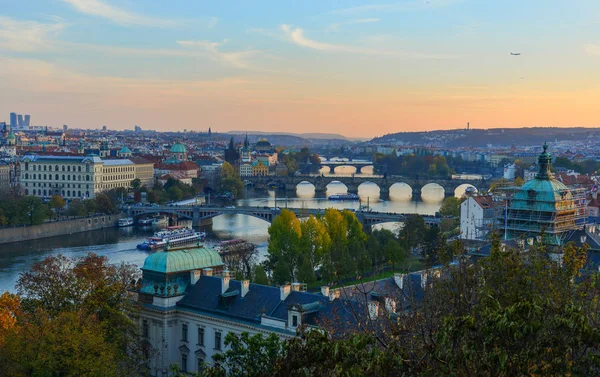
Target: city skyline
[[356, 68]]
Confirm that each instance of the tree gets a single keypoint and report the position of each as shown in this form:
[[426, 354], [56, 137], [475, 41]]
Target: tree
[[519, 182], [249, 355], [284, 238], [57, 203], [76, 208], [105, 203], [35, 209], [314, 243], [260, 276], [230, 181], [450, 207], [413, 231], [136, 184], [76, 318]]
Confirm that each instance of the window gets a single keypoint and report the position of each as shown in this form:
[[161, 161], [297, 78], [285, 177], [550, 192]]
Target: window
[[56, 176], [200, 336], [56, 168], [200, 364], [78, 169], [294, 321], [184, 332], [27, 166], [145, 328], [63, 168], [184, 363], [217, 340]]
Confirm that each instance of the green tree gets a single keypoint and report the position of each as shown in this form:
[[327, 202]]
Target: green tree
[[413, 231], [284, 239], [76, 208], [450, 207], [105, 203], [314, 243], [230, 181], [35, 210], [260, 276], [136, 184], [249, 355]]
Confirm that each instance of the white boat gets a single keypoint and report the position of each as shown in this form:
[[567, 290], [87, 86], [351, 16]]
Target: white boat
[[127, 221], [175, 235], [143, 222]]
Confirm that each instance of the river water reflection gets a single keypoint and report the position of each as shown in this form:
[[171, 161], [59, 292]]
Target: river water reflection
[[119, 244]]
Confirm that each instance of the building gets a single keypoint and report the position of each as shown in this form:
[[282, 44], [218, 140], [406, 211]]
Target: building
[[13, 121], [75, 177], [124, 152], [477, 217], [259, 169], [263, 146], [246, 169], [245, 153], [188, 304], [530, 173], [144, 171], [544, 205], [178, 153], [510, 171], [4, 176], [27, 121]]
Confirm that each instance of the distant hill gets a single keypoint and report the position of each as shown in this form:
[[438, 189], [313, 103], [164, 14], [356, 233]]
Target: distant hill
[[497, 137], [304, 135]]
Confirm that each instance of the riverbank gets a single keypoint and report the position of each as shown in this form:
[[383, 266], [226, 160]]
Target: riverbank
[[58, 228]]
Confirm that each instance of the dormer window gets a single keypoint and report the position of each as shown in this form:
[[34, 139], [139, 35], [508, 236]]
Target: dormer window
[[294, 320]]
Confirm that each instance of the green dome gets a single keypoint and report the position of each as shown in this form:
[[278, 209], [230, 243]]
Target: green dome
[[124, 150], [182, 260], [541, 194], [178, 148], [11, 136]]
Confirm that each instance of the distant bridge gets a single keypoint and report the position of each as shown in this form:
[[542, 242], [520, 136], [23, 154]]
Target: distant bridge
[[352, 183], [201, 215], [358, 165]]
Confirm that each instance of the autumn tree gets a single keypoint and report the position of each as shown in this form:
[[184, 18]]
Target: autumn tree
[[57, 203]]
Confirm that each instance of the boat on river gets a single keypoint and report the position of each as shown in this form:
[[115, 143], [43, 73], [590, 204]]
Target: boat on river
[[175, 236], [344, 197], [127, 221]]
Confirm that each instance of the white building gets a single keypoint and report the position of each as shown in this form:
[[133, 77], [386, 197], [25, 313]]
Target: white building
[[246, 169], [74, 177], [510, 171], [476, 217], [188, 304]]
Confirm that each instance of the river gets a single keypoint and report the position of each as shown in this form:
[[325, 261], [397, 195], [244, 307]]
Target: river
[[119, 244]]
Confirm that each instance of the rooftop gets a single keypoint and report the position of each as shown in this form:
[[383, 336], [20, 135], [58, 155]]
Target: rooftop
[[182, 260]]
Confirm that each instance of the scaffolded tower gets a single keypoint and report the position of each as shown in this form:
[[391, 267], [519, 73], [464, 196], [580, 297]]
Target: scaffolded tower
[[544, 207]]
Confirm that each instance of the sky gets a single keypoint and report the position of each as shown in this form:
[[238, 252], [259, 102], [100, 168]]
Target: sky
[[357, 68]]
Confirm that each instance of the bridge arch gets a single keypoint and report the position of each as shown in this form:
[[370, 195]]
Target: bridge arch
[[433, 192], [460, 190], [400, 190], [363, 169], [337, 187], [369, 189], [339, 169], [305, 189]]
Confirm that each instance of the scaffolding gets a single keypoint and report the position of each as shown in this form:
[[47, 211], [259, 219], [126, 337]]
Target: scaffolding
[[529, 214]]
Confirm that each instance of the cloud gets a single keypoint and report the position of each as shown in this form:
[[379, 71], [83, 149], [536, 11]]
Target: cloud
[[117, 15], [212, 22], [297, 37], [336, 26], [592, 49], [236, 59], [397, 6], [27, 36]]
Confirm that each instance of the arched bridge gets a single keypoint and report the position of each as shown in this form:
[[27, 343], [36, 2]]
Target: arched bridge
[[201, 215], [358, 165], [352, 183]]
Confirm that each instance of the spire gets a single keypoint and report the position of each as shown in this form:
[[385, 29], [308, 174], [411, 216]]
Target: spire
[[544, 161], [246, 143]]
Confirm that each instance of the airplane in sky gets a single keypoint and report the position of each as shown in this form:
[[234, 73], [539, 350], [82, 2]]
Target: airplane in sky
[[515, 53]]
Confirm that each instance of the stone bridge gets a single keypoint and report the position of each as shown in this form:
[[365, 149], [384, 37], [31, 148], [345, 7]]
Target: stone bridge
[[358, 165], [352, 183], [201, 215]]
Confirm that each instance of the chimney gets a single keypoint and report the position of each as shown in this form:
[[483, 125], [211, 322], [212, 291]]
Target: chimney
[[284, 291], [207, 272], [373, 309], [195, 276], [325, 290], [245, 287], [333, 294], [424, 277], [399, 280], [296, 287], [583, 239], [225, 282]]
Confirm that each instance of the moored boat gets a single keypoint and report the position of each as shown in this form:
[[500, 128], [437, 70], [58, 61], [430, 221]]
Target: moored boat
[[175, 236], [127, 221], [344, 197]]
